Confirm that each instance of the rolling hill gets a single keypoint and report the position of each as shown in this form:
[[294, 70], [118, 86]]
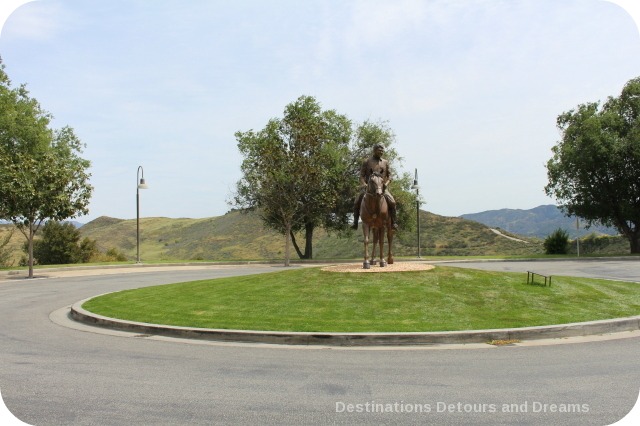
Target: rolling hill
[[241, 236]]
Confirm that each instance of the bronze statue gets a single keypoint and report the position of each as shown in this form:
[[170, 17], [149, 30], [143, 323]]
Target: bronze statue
[[375, 164], [374, 211]]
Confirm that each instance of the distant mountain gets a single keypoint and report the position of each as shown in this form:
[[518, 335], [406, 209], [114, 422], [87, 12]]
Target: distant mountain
[[537, 222]]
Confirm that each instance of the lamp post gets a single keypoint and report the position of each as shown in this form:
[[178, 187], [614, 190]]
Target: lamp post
[[578, 235], [416, 187], [140, 185]]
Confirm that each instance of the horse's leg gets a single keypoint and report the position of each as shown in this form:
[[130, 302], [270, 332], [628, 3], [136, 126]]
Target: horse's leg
[[382, 220], [373, 247], [380, 231], [390, 233], [365, 232]]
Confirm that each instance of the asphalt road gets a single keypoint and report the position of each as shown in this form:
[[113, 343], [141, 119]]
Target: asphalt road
[[52, 374], [622, 269]]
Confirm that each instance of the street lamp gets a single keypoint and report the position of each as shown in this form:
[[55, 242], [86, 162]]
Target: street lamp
[[578, 235], [416, 187], [141, 185]]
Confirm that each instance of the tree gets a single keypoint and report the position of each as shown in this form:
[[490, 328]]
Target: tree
[[42, 175], [595, 169], [301, 172], [61, 244], [291, 167], [557, 242]]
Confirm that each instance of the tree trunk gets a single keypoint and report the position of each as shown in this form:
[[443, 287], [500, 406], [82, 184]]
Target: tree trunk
[[287, 246], [308, 236], [630, 233], [30, 238], [295, 245], [634, 242]]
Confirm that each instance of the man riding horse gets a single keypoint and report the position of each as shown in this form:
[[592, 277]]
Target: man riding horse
[[375, 163]]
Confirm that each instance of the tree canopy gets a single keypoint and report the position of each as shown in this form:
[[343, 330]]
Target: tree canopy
[[301, 171], [595, 169], [291, 167], [42, 175]]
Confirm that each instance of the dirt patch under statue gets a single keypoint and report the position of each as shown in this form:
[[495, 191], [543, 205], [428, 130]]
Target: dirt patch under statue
[[395, 267]]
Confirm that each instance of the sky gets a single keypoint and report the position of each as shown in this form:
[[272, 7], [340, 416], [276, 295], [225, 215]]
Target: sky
[[471, 88]]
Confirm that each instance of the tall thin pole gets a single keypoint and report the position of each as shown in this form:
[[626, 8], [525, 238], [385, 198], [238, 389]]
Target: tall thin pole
[[417, 188], [578, 235], [418, 215], [139, 184], [137, 225]]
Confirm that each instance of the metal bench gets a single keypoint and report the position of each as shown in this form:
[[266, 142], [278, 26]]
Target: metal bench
[[531, 276]]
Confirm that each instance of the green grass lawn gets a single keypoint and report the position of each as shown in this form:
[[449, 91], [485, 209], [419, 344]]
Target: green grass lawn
[[308, 299]]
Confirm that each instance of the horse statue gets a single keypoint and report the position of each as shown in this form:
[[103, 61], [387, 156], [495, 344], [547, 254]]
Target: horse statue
[[374, 212]]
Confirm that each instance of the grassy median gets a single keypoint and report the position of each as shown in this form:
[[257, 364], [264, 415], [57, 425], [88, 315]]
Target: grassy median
[[308, 299]]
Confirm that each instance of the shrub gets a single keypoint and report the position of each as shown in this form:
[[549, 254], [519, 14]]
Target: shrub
[[114, 255], [557, 242], [60, 244]]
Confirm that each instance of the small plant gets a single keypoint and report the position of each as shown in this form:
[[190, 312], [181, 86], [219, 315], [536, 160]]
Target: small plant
[[557, 242]]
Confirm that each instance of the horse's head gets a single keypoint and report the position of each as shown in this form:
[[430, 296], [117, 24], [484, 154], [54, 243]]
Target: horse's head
[[376, 184]]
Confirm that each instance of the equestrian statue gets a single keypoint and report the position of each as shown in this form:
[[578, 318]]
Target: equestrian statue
[[376, 206]]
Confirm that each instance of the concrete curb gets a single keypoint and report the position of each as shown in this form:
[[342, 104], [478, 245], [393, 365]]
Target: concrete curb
[[359, 339]]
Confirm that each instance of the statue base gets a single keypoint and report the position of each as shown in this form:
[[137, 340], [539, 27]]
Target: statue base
[[391, 267]]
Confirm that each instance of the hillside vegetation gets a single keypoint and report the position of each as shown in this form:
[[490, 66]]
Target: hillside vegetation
[[241, 236], [14, 245]]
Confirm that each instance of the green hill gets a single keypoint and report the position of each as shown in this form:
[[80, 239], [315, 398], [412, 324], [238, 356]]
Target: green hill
[[13, 249], [241, 236]]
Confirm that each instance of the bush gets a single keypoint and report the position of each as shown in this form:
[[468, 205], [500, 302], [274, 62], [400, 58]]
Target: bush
[[114, 255], [601, 245], [557, 242], [60, 245]]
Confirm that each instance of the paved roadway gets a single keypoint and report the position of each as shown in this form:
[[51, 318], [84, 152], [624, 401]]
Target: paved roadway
[[623, 269], [53, 374]]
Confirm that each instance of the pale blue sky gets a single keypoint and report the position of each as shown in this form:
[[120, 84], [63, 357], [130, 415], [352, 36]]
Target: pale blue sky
[[472, 88]]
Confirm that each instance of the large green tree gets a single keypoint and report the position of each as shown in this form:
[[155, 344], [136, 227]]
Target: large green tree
[[595, 169], [42, 175], [301, 171], [291, 169]]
